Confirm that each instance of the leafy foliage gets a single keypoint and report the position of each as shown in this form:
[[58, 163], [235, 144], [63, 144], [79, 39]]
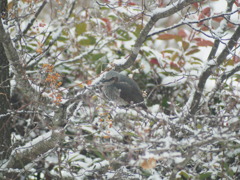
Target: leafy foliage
[[71, 43]]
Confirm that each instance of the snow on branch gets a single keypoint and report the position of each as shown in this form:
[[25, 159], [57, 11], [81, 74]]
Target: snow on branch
[[30, 24], [21, 156], [192, 105], [222, 78], [55, 36], [209, 69], [188, 22], [14, 59], [158, 14]]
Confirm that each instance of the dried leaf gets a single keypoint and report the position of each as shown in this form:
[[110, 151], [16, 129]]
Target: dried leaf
[[182, 33], [168, 36], [149, 163], [203, 42]]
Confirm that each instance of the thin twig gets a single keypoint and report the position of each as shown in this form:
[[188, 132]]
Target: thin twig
[[35, 17]]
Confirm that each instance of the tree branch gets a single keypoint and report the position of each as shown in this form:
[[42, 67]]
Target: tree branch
[[38, 57], [220, 80], [35, 17], [159, 14], [14, 60], [217, 41], [186, 22], [211, 66], [21, 156]]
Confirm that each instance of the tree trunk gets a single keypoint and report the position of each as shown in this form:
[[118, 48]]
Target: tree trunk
[[5, 122]]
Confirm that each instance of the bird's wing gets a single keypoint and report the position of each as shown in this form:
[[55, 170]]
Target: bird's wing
[[128, 93]]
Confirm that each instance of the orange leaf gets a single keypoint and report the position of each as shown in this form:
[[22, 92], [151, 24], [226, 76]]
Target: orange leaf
[[89, 82], [39, 50], [149, 163], [106, 137]]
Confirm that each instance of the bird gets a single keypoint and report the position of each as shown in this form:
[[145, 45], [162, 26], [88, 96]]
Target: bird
[[122, 90]]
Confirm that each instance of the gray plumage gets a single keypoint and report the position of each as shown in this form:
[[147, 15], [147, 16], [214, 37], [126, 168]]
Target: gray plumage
[[121, 89]]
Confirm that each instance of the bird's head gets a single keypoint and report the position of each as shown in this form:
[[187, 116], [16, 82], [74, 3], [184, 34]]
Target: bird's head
[[110, 78]]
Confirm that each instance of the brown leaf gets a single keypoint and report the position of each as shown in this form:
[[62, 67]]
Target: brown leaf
[[167, 36], [203, 42], [182, 33], [218, 19]]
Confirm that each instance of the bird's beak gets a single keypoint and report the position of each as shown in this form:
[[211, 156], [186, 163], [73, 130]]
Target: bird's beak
[[103, 80]]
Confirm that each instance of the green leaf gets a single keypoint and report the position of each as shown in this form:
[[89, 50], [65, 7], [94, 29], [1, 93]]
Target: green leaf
[[48, 40], [30, 49], [89, 40], [193, 51], [98, 154], [185, 45], [81, 28], [123, 35], [104, 8], [199, 126], [197, 59], [168, 51], [74, 158], [175, 55], [100, 66], [97, 56], [184, 175], [138, 29], [62, 39], [165, 102], [204, 176], [130, 134]]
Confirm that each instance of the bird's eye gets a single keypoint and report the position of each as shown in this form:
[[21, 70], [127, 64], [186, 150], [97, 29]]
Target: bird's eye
[[112, 79], [109, 80]]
